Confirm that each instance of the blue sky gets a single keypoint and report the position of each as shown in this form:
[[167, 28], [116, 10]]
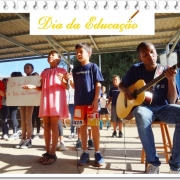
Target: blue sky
[[6, 68]]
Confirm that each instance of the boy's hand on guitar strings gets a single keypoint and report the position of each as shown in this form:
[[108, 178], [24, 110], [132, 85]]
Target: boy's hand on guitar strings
[[128, 94]]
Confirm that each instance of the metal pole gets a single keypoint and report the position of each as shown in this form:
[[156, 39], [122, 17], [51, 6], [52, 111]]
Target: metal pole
[[100, 62], [174, 45], [167, 52], [68, 65]]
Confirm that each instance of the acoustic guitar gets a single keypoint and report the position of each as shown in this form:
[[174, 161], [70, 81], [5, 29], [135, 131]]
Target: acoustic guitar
[[141, 95]]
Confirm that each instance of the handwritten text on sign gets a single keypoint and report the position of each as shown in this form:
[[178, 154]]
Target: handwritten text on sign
[[17, 96]]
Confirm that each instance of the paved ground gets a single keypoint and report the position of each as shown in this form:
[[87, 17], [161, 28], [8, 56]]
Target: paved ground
[[122, 156]]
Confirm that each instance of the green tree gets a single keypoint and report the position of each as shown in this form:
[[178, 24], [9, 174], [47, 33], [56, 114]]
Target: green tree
[[116, 64]]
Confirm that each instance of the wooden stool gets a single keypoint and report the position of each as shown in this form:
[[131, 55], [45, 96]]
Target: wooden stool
[[167, 144]]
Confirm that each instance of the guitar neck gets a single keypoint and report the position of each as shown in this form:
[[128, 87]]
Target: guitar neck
[[154, 81], [149, 84]]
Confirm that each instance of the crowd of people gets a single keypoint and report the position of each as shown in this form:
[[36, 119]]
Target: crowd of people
[[89, 103]]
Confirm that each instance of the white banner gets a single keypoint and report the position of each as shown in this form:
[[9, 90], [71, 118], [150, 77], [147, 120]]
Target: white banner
[[83, 22], [90, 17], [17, 96]]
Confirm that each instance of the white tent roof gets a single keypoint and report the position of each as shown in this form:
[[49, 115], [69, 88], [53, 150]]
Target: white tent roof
[[15, 41]]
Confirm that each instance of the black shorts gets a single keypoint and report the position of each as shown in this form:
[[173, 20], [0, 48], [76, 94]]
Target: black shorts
[[103, 111]]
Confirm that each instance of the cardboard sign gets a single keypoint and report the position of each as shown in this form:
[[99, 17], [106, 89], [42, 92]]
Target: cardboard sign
[[17, 96]]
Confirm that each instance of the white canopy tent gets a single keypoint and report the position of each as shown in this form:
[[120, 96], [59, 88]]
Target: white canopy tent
[[16, 44]]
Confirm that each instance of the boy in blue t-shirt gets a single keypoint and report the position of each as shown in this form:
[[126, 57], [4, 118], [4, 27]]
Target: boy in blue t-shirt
[[86, 81]]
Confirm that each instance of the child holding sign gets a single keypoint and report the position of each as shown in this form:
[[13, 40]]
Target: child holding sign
[[53, 104], [87, 78], [26, 117]]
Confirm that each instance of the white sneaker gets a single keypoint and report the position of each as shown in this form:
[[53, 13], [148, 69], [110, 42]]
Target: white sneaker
[[19, 132], [71, 136], [62, 147], [6, 137], [152, 169], [20, 144], [36, 136], [26, 144], [108, 128], [14, 137], [174, 172]]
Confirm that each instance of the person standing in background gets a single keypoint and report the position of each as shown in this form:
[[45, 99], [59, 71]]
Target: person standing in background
[[113, 95], [4, 113], [61, 146], [70, 102], [10, 111], [13, 114], [104, 111], [26, 117]]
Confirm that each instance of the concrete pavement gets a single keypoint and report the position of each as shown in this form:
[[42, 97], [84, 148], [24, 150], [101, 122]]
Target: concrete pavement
[[122, 157]]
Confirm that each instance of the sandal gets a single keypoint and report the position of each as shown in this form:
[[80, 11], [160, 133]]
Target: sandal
[[44, 157], [50, 156]]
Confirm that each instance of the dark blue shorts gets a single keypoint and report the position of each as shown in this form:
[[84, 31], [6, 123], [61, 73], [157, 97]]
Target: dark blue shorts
[[103, 111]]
